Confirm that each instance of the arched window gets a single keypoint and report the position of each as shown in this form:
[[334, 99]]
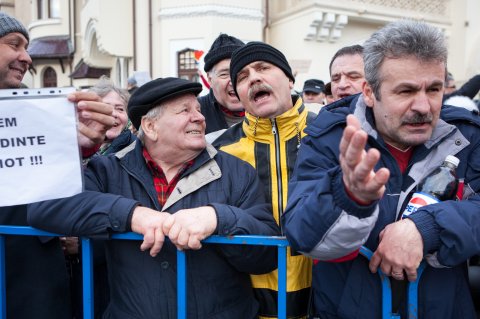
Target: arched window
[[187, 67], [49, 78]]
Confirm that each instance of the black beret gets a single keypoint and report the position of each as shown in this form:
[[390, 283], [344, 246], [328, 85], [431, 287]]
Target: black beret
[[153, 93], [257, 51], [221, 49]]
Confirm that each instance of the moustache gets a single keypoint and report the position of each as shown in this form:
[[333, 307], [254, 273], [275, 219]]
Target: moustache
[[254, 89], [418, 118]]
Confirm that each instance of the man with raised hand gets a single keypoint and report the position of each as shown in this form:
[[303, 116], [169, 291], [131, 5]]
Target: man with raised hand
[[357, 170]]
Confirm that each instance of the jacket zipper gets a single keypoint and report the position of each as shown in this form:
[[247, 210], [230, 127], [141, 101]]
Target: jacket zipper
[[276, 138]]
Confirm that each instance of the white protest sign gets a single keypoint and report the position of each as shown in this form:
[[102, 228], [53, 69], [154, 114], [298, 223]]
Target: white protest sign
[[39, 153]]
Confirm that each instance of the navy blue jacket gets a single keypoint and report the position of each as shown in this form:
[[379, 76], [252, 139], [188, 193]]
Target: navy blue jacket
[[214, 118], [142, 286], [323, 222]]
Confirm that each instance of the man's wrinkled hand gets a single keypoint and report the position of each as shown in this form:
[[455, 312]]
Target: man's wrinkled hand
[[188, 227], [149, 223], [400, 251]]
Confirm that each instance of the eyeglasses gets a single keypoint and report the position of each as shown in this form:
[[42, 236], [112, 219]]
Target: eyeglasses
[[223, 75]]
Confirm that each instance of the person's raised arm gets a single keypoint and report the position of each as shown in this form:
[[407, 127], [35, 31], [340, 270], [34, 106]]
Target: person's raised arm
[[360, 180], [334, 191]]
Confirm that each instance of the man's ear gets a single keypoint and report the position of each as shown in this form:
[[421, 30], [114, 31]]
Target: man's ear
[[290, 84], [368, 95], [148, 127], [209, 77]]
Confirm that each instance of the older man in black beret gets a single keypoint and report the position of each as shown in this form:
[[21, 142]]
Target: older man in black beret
[[173, 184]]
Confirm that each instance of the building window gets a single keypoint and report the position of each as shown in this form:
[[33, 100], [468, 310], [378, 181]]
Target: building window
[[47, 9], [49, 78], [54, 8], [187, 66]]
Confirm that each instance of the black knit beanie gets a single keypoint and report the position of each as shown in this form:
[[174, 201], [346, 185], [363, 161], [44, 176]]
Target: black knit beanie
[[257, 51], [9, 24], [222, 48]]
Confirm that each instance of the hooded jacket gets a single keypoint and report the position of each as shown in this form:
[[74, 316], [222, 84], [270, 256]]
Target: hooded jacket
[[142, 286], [322, 221], [271, 147]]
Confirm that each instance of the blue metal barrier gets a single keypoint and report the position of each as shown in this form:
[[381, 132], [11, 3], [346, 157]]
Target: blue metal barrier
[[280, 242], [87, 263], [412, 298]]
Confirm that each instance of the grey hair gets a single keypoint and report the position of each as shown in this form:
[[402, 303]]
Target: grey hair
[[105, 86], [400, 39], [156, 112]]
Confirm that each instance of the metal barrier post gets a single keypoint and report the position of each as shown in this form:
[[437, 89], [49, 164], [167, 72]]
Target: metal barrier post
[[3, 279], [282, 282], [181, 285], [412, 298], [281, 243], [87, 276], [386, 289]]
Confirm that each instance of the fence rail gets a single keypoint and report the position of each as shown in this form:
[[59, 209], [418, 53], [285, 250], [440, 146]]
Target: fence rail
[[87, 265], [280, 242]]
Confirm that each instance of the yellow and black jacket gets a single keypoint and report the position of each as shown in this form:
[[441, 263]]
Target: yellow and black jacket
[[271, 146]]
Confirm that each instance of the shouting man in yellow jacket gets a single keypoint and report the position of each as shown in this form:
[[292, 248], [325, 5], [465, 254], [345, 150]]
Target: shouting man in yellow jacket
[[268, 139]]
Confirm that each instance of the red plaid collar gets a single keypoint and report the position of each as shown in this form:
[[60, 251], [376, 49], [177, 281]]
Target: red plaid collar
[[162, 186]]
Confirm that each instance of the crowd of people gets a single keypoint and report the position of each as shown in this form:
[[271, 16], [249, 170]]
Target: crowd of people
[[252, 158]]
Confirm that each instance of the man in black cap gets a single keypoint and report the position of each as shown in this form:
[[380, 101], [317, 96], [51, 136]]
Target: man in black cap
[[221, 106], [170, 183], [313, 91], [268, 139], [36, 276]]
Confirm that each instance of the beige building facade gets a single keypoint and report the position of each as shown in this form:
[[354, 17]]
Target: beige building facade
[[73, 42]]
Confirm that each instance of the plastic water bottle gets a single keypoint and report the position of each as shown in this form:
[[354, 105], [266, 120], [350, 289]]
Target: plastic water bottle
[[439, 186]]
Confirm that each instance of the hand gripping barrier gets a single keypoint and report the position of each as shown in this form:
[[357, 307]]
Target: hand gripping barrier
[[87, 264], [280, 242], [412, 297]]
